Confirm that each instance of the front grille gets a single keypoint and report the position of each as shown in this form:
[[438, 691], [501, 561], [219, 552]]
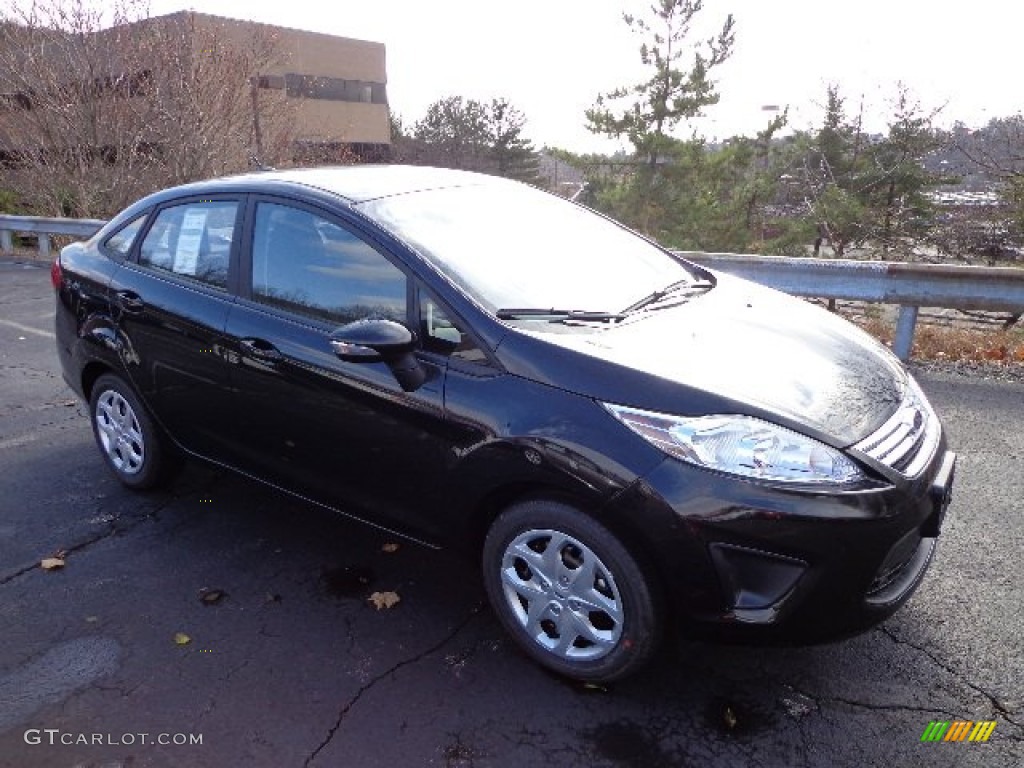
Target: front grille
[[906, 440]]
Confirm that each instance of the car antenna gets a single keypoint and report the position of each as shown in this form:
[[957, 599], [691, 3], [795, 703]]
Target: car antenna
[[255, 163]]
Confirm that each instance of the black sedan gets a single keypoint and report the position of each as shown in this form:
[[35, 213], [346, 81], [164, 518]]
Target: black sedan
[[623, 439]]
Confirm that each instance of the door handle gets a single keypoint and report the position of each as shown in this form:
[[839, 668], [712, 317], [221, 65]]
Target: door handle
[[129, 301], [261, 350]]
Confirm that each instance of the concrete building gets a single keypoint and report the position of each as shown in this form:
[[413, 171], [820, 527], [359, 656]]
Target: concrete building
[[335, 88], [338, 84]]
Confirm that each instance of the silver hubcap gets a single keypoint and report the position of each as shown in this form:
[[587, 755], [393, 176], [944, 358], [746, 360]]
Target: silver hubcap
[[562, 594], [119, 433]]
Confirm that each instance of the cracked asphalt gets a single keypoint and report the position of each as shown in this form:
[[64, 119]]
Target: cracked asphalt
[[293, 667]]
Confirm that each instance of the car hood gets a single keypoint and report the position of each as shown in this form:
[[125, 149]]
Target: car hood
[[740, 347]]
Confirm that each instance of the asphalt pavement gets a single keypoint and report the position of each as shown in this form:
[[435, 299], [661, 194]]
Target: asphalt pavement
[[219, 623]]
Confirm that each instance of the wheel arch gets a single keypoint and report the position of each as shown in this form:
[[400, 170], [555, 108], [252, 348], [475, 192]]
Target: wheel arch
[[604, 512], [90, 373], [637, 615]]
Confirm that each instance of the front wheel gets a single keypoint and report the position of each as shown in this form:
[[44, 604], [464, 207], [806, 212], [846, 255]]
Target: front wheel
[[132, 445], [568, 591]]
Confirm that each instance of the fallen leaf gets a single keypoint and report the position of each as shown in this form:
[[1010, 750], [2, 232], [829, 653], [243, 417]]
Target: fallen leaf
[[51, 563], [730, 718], [382, 600], [69, 403], [180, 638], [389, 547], [211, 596], [594, 687]]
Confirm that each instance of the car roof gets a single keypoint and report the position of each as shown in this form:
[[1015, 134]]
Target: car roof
[[360, 183], [353, 184]]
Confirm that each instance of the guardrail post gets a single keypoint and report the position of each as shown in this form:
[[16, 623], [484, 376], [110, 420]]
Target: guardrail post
[[904, 340], [6, 245], [44, 244]]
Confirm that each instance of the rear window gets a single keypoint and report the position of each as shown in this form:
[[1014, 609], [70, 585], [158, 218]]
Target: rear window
[[193, 240], [121, 241]]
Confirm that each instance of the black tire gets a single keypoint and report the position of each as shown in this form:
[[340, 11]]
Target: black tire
[[135, 449], [612, 640]]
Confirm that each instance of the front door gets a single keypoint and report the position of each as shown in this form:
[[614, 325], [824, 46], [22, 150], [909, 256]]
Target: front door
[[341, 433]]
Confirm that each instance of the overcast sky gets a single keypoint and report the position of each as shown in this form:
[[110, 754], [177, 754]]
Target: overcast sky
[[551, 58]]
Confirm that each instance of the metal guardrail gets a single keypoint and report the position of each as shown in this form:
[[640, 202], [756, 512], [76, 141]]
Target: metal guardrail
[[909, 285], [43, 228]]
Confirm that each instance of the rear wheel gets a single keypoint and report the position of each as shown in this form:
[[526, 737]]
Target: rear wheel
[[573, 597], [131, 443]]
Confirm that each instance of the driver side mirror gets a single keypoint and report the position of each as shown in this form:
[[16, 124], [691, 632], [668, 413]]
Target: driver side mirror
[[377, 340]]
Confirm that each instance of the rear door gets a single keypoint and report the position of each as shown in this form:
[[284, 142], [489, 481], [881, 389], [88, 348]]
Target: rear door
[[171, 301]]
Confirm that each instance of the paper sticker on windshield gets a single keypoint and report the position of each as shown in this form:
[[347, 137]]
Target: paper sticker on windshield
[[186, 255]]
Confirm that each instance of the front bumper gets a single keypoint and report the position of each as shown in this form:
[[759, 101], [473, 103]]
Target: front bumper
[[747, 561]]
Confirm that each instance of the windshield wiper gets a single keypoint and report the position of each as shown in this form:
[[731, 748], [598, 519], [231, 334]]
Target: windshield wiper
[[682, 287], [556, 315]]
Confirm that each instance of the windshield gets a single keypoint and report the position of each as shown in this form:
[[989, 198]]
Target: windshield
[[509, 245]]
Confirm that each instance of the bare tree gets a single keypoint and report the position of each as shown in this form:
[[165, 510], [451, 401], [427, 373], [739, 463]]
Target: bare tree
[[100, 104], [998, 151], [210, 114]]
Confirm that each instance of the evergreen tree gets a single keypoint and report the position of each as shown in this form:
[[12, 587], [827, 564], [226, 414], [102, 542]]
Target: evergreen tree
[[512, 154], [469, 134], [455, 131], [860, 189], [710, 198], [678, 88], [899, 189], [672, 93]]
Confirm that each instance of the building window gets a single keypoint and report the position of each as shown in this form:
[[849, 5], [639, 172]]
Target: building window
[[333, 89]]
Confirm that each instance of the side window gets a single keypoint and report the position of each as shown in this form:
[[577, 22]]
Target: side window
[[304, 263], [192, 240], [121, 241], [441, 335]]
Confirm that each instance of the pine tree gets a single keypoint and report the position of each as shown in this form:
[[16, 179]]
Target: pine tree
[[512, 154], [455, 131], [672, 93], [860, 189], [468, 134]]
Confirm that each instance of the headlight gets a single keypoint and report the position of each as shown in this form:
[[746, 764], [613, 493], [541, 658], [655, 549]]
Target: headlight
[[741, 445]]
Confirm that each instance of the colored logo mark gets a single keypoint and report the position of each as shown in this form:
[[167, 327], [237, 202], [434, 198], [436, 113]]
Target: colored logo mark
[[958, 730]]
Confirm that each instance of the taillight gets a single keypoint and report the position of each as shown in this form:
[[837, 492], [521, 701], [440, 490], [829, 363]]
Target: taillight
[[55, 274]]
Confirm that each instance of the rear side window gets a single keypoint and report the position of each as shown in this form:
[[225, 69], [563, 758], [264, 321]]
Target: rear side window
[[192, 240], [306, 264], [121, 241]]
